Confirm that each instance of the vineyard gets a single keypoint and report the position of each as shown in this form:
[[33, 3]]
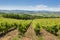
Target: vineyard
[[50, 25], [29, 19], [7, 24]]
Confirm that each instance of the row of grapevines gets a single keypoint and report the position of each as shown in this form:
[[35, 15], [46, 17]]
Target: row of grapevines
[[36, 27], [6, 24], [52, 25], [24, 26]]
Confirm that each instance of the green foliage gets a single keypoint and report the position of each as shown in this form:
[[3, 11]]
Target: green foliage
[[18, 16], [6, 24], [52, 29], [52, 25], [23, 27], [37, 29]]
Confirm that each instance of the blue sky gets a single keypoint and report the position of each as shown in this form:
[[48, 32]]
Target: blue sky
[[50, 5]]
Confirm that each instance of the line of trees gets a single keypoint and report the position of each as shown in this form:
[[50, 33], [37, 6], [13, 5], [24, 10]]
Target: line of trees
[[24, 16]]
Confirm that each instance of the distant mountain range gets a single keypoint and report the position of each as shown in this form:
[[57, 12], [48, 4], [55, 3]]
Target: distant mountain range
[[23, 11]]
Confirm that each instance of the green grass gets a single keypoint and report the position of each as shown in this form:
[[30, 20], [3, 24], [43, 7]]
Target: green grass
[[40, 37], [16, 38]]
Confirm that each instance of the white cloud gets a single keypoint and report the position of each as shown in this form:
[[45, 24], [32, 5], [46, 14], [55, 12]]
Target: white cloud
[[44, 7], [36, 8]]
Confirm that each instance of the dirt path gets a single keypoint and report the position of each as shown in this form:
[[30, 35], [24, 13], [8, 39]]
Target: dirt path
[[10, 35], [30, 34], [48, 36]]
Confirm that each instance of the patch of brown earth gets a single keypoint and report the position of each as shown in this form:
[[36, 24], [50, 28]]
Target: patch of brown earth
[[10, 35], [48, 36], [58, 32], [30, 34]]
